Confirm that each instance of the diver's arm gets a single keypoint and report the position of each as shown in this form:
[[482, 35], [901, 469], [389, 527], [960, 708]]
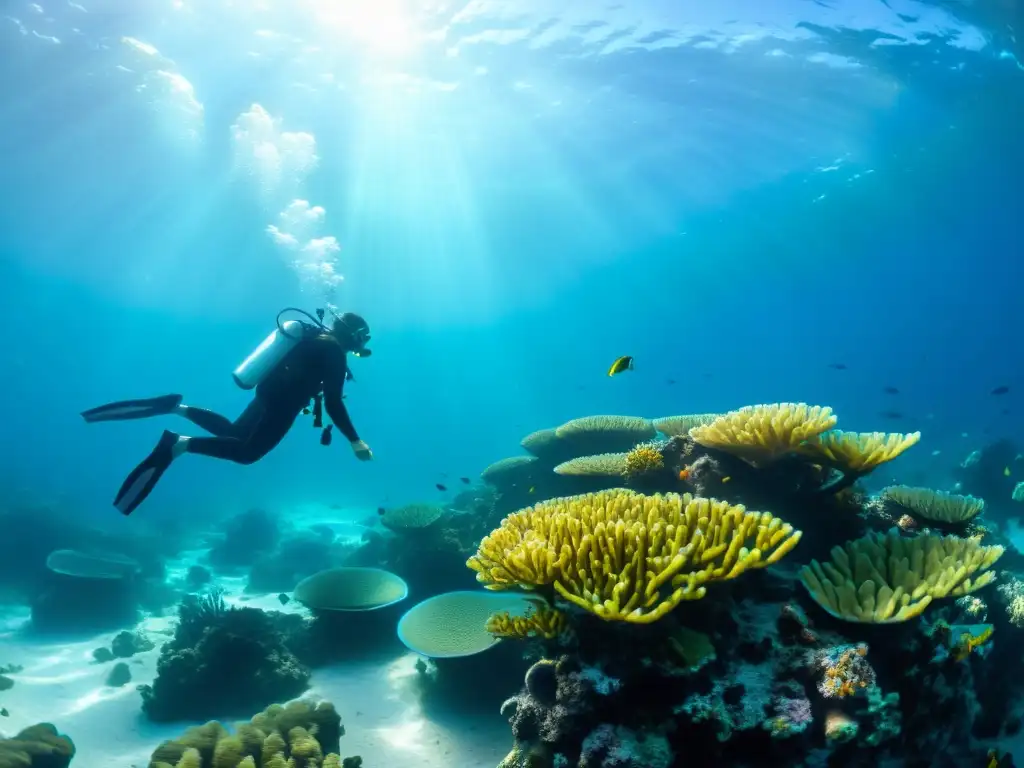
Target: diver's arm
[[339, 414], [334, 383]]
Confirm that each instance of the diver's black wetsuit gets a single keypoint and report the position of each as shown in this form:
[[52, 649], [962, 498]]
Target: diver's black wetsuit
[[315, 364]]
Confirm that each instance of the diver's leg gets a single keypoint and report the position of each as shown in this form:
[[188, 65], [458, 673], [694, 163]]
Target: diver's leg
[[221, 426], [123, 410], [257, 437], [143, 479]]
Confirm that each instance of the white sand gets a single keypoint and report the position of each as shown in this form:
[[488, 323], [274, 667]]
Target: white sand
[[384, 724]]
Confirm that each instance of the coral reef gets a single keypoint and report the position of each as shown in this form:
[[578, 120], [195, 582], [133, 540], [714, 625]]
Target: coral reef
[[222, 660], [38, 746], [301, 733], [849, 661]]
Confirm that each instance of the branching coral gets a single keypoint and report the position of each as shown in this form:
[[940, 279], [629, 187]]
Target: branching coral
[[935, 506], [858, 453], [885, 578], [299, 734], [643, 460], [763, 433], [541, 620], [599, 465], [628, 557]]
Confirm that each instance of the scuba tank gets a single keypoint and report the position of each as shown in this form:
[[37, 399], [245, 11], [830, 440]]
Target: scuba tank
[[273, 349]]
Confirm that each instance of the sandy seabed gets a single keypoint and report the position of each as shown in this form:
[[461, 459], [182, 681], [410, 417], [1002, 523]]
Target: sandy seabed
[[62, 684]]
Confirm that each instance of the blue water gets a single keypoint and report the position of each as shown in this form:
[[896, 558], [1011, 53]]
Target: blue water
[[737, 194]]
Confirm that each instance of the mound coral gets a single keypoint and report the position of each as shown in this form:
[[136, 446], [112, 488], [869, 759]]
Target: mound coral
[[624, 556], [38, 746], [934, 506], [298, 734], [599, 465], [411, 517], [885, 578], [763, 433]]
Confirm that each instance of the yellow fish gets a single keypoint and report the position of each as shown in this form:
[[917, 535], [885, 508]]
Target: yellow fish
[[1006, 471], [624, 363]]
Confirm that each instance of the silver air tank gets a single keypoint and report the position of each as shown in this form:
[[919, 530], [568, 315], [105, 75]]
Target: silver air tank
[[268, 354]]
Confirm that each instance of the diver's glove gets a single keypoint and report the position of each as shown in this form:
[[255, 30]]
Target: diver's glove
[[361, 450]]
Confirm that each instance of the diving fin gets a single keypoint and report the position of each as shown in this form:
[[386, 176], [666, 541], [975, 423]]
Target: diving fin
[[133, 409], [143, 479]]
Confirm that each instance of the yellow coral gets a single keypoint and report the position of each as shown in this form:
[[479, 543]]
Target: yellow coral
[[248, 762], [274, 744], [190, 759], [763, 433], [332, 761], [858, 452], [935, 505], [600, 465], [628, 557], [679, 426], [541, 620], [228, 752], [303, 746], [886, 578], [642, 460]]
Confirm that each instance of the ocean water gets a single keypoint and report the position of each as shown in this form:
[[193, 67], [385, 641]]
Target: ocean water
[[759, 202]]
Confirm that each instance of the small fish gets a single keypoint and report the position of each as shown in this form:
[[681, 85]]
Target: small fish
[[838, 366], [936, 452], [890, 390], [1001, 390], [624, 363], [891, 415], [684, 473], [465, 480], [440, 487], [726, 479], [4, 712], [283, 599], [380, 510], [670, 382], [1006, 471], [305, 411], [532, 489]]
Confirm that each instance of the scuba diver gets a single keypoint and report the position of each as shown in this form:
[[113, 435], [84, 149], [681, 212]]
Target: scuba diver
[[297, 363]]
